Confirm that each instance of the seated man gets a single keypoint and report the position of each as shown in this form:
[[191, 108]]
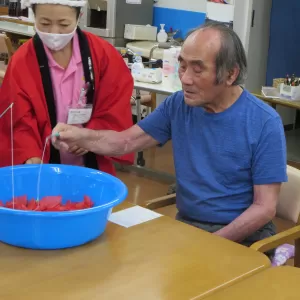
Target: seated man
[[229, 147]]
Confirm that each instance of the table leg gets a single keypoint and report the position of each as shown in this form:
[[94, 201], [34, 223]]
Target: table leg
[[297, 254], [140, 155], [295, 120]]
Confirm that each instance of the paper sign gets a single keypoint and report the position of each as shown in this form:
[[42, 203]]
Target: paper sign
[[134, 1], [133, 216]]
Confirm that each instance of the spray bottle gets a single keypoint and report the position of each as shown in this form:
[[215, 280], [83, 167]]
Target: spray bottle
[[162, 36]]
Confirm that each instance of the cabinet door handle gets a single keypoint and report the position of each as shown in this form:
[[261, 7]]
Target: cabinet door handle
[[253, 16]]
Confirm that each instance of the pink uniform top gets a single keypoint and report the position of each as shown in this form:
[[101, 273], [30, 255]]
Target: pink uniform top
[[67, 84]]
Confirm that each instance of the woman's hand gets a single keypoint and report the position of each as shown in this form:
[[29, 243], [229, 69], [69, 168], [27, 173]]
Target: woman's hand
[[33, 161], [77, 151]]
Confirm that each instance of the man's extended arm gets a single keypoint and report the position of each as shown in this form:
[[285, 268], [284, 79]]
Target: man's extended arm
[[104, 142], [152, 130]]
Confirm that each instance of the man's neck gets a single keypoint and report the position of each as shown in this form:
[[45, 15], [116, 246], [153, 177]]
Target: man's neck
[[225, 100]]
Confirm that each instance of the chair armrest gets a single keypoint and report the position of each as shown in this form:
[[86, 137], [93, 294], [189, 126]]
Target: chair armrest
[[160, 202], [277, 240]]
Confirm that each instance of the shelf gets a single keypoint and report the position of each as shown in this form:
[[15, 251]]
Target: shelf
[[16, 21]]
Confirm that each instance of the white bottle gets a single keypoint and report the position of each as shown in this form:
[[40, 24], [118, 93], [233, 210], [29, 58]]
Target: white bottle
[[162, 36], [170, 67], [169, 63], [177, 86]]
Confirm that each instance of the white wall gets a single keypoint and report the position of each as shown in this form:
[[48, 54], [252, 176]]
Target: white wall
[[220, 12], [242, 20], [191, 5]]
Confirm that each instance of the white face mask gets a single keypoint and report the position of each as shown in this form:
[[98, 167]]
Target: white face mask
[[55, 41]]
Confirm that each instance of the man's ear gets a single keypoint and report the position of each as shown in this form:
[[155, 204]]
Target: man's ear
[[232, 76]]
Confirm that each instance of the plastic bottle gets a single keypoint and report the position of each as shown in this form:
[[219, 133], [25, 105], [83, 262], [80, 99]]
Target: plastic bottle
[[162, 36], [137, 65]]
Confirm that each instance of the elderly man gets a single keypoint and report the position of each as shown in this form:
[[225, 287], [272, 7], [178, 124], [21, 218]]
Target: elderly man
[[229, 147]]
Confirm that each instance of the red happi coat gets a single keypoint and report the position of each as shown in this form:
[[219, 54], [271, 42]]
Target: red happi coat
[[23, 86]]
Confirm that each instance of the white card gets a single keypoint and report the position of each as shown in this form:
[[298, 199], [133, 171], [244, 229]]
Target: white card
[[78, 116], [133, 216]]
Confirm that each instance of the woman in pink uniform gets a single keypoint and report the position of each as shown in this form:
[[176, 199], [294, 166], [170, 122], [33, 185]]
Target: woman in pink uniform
[[63, 75]]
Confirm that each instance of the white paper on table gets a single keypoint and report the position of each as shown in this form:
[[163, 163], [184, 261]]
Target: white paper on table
[[133, 216]]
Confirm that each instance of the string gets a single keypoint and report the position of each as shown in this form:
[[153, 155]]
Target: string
[[41, 164], [40, 170], [12, 149], [10, 106], [12, 155]]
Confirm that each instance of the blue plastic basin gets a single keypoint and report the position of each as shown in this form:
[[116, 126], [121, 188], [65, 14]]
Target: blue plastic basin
[[57, 230]]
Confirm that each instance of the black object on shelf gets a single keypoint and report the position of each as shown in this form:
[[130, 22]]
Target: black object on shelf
[[14, 8]]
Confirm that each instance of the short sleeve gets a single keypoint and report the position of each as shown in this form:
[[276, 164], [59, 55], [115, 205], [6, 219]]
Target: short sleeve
[[269, 163], [158, 123]]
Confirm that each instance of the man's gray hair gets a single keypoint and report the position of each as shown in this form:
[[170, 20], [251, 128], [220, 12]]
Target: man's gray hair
[[231, 53]]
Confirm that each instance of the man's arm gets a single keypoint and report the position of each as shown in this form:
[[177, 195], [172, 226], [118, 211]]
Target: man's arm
[[152, 130], [268, 172], [261, 212], [112, 143]]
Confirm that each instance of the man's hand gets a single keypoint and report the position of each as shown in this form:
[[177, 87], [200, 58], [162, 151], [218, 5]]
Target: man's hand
[[33, 161], [69, 138], [77, 151]]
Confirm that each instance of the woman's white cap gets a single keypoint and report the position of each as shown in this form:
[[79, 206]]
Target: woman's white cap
[[72, 3]]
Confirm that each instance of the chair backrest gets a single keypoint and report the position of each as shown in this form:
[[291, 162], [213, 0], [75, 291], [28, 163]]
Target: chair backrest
[[6, 45], [289, 199]]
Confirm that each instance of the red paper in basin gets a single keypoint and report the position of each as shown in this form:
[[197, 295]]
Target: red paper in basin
[[48, 203]]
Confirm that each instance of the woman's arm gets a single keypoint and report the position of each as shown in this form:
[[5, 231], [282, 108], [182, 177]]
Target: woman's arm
[[26, 136]]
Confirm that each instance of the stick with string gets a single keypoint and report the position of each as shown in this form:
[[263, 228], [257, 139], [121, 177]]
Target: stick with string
[[12, 148]]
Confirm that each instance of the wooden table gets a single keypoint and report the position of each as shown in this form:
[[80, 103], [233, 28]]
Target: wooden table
[[292, 136], [281, 283], [159, 259], [274, 102]]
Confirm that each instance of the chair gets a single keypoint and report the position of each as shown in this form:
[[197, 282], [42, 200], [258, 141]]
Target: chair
[[5, 48], [288, 209]]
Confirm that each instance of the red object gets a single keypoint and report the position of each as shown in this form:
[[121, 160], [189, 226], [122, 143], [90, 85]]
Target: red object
[[49, 203], [31, 121]]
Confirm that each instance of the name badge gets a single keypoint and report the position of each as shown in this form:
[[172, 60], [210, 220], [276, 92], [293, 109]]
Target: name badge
[[78, 116]]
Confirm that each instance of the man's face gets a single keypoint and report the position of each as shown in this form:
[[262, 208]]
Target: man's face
[[197, 69]]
